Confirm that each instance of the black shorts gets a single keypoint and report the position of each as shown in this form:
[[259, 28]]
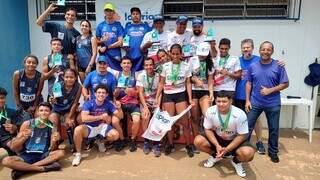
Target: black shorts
[[82, 69], [239, 103], [225, 143], [3, 144], [175, 98], [198, 94], [132, 109]]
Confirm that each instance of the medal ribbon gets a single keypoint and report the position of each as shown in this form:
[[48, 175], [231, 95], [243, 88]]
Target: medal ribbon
[[175, 72], [223, 61], [225, 123]]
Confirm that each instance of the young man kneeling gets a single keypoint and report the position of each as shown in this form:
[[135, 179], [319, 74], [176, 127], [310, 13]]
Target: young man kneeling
[[226, 129]]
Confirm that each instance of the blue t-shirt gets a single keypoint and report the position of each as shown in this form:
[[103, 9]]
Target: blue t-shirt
[[113, 31], [68, 36], [93, 79], [136, 33], [95, 110], [241, 83], [83, 51], [266, 75]]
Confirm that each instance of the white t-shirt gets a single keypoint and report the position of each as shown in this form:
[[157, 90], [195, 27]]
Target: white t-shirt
[[163, 38], [195, 41], [150, 87], [182, 39], [172, 86], [226, 82], [238, 123], [199, 72]]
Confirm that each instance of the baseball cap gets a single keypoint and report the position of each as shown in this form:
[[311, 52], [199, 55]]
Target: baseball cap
[[135, 9], [158, 18], [197, 21], [108, 6], [181, 19], [203, 49], [102, 58]]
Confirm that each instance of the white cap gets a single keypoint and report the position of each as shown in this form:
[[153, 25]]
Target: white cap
[[203, 49]]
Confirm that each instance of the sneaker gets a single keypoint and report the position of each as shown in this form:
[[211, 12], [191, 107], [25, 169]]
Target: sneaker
[[194, 149], [101, 145], [52, 167], [189, 151], [239, 169], [132, 146], [211, 161], [76, 159], [260, 147], [274, 158], [15, 174], [146, 147], [118, 145], [156, 150], [169, 149]]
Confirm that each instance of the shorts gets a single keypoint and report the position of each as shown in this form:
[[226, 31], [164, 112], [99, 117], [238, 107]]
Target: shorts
[[239, 103], [198, 94], [132, 109], [101, 130], [31, 158], [225, 143], [3, 144], [82, 69], [60, 112], [175, 98]]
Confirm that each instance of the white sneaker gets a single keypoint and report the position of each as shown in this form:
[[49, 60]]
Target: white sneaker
[[239, 169], [76, 159], [101, 145], [211, 162]]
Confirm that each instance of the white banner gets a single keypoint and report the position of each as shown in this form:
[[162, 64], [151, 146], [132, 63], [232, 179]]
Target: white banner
[[148, 8], [161, 123]]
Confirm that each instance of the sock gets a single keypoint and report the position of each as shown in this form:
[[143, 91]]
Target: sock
[[235, 160]]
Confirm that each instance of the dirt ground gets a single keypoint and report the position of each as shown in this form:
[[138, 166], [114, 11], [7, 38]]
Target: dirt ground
[[298, 160]]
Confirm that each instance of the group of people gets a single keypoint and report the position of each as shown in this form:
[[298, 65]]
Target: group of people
[[169, 70]]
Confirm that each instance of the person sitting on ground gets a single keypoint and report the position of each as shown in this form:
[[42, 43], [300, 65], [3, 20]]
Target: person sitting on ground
[[37, 144], [96, 115], [226, 130]]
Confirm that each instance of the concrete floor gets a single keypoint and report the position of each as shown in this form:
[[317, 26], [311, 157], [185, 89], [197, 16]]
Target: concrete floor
[[298, 160]]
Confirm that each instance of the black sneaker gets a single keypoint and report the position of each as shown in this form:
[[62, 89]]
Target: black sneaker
[[189, 151], [52, 167], [274, 158], [132, 146], [15, 174], [169, 149], [118, 145], [260, 147], [194, 149]]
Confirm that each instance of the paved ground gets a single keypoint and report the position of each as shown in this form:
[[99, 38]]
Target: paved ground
[[298, 160]]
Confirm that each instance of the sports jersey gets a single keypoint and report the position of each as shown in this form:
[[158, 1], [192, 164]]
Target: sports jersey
[[84, 51], [150, 86], [195, 41], [237, 124], [175, 77], [58, 76], [162, 44], [182, 39], [198, 69], [125, 82]]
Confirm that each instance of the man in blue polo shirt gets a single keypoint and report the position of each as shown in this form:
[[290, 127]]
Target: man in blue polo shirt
[[265, 79], [110, 35], [136, 31], [67, 33]]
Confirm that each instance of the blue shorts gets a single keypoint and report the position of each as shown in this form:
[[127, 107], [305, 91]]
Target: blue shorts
[[31, 158], [102, 130]]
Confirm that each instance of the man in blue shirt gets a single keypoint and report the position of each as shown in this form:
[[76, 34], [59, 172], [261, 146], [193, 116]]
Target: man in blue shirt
[[67, 33], [136, 30], [265, 80], [110, 35]]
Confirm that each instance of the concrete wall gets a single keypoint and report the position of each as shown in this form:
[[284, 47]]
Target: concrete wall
[[295, 42]]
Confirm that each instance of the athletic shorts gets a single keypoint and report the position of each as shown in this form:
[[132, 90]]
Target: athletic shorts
[[225, 143], [175, 98], [240, 104], [3, 144], [198, 94], [31, 158], [132, 109], [101, 130]]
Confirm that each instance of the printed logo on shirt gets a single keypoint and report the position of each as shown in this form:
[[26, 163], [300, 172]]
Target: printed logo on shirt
[[60, 35], [29, 89], [22, 84], [114, 29]]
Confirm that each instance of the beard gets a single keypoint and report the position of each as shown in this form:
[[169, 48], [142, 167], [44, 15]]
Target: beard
[[197, 32]]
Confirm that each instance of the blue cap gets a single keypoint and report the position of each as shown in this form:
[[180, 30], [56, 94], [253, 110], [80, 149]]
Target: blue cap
[[102, 58], [197, 21], [158, 18], [181, 19]]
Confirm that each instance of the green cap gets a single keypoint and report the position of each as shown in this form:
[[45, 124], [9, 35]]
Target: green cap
[[108, 6]]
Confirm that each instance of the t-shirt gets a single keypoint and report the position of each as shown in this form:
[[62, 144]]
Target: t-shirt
[[136, 33], [238, 123], [93, 79], [266, 75], [96, 110], [198, 69], [195, 41], [241, 83], [182, 39], [175, 82], [123, 83], [68, 36], [84, 51], [150, 86], [113, 31], [231, 64], [162, 44]]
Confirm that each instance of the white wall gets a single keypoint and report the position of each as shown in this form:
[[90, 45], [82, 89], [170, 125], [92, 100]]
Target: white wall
[[295, 42]]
